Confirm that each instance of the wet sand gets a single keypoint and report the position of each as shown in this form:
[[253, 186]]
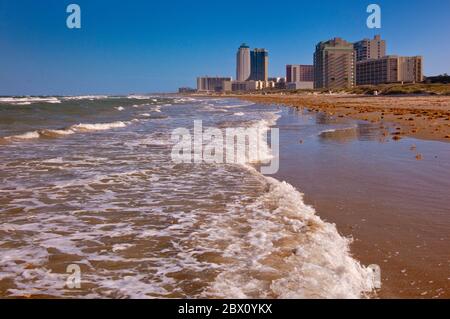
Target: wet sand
[[391, 196], [424, 117]]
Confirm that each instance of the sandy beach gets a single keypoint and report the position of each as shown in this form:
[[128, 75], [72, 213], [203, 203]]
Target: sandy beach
[[381, 176], [423, 117]]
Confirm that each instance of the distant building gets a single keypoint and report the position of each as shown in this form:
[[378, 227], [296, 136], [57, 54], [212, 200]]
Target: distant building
[[410, 69], [280, 82], [186, 90], [261, 85], [240, 86], [299, 73], [377, 71], [243, 66], [334, 64], [389, 69], [302, 85], [213, 84], [259, 65], [370, 49], [226, 86], [244, 86]]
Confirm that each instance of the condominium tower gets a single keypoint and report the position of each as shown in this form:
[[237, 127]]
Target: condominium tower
[[334, 64], [389, 69], [299, 73], [243, 66], [259, 65], [213, 84], [370, 49]]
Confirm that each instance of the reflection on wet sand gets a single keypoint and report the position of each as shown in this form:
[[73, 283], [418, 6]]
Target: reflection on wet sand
[[360, 132], [390, 196]]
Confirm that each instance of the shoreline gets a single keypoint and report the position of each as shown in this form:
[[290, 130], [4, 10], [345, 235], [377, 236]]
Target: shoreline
[[402, 225], [417, 116]]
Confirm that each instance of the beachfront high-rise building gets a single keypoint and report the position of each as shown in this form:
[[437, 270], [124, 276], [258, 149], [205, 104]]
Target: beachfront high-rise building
[[389, 69], [252, 85], [299, 73], [377, 71], [259, 62], [410, 69], [243, 66], [213, 84], [334, 64], [370, 49]]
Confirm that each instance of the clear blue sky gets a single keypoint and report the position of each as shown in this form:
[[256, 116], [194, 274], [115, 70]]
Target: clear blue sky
[[155, 46]]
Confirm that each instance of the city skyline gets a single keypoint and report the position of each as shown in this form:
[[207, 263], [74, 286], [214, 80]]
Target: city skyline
[[120, 50]]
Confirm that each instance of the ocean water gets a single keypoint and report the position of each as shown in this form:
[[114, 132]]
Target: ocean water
[[90, 181]]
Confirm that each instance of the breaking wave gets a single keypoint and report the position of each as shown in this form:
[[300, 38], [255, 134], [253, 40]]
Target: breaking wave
[[68, 131], [289, 252], [29, 100], [145, 227]]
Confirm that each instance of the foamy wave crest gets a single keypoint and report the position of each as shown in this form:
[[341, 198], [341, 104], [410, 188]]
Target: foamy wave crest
[[237, 105], [141, 97], [263, 127], [56, 133], [63, 132], [86, 97], [184, 100], [29, 100], [289, 252], [98, 126], [24, 136]]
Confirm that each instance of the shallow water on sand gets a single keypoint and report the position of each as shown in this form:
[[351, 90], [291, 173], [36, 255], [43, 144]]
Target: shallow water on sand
[[89, 182], [392, 197]]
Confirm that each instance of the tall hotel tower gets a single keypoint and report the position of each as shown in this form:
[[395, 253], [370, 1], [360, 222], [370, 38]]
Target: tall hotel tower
[[259, 61], [334, 64], [370, 49], [243, 67]]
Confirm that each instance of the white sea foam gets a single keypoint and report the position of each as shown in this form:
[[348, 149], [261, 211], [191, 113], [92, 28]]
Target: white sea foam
[[24, 136], [57, 160], [264, 154], [98, 126], [141, 97], [327, 131], [82, 127], [300, 255], [120, 108], [289, 252], [56, 133], [29, 100], [121, 247], [232, 106], [115, 212], [86, 97]]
